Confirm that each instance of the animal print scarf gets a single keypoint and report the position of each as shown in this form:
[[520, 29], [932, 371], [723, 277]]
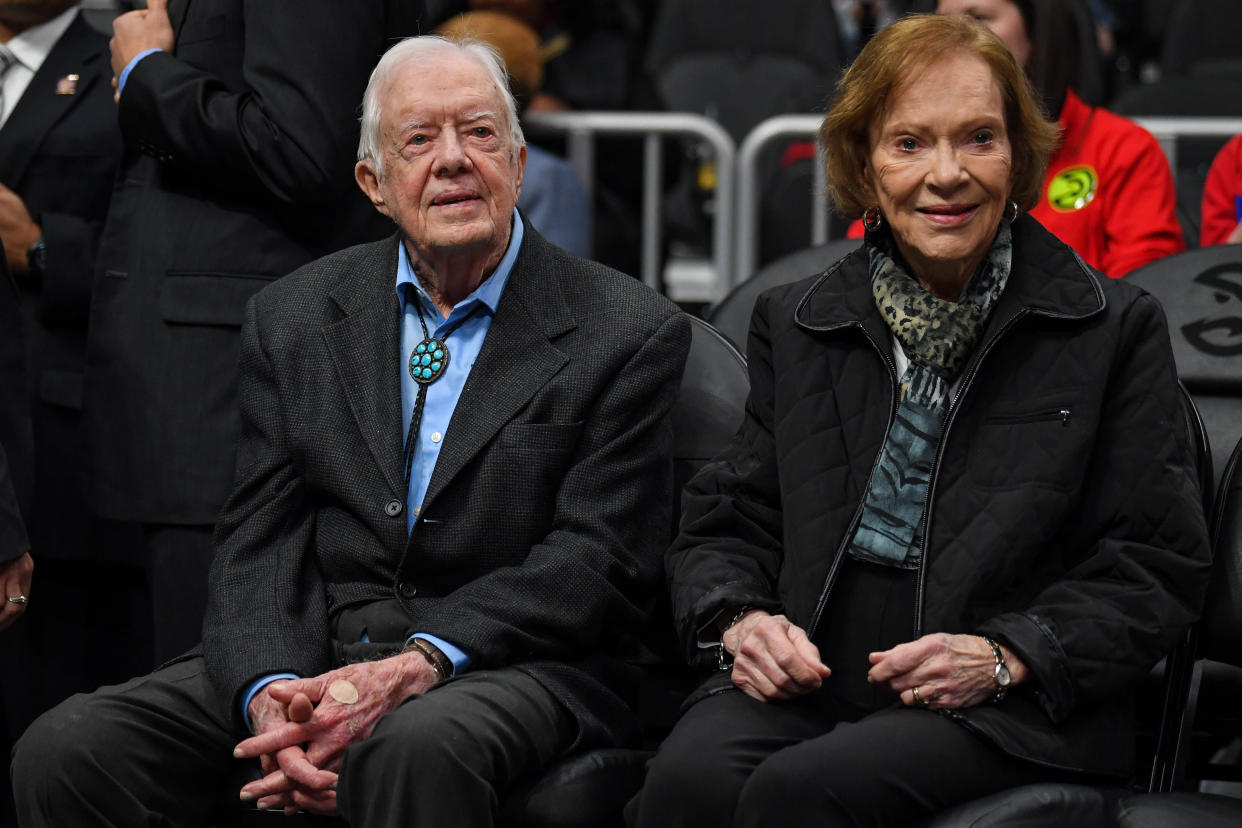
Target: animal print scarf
[[938, 337]]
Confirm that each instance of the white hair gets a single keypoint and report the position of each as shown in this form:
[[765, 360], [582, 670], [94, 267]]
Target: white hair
[[429, 48]]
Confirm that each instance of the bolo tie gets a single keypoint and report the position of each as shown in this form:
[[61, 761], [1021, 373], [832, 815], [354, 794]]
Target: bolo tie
[[429, 360]]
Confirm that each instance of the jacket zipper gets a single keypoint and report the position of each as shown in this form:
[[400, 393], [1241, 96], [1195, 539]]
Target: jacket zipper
[[1062, 414], [933, 478], [831, 578]]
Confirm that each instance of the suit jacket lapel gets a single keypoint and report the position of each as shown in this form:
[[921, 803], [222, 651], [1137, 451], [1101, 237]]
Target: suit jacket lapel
[[40, 107], [365, 348], [518, 358]]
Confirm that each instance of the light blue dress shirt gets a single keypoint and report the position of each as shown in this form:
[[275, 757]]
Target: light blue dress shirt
[[464, 344], [129, 67], [555, 202]]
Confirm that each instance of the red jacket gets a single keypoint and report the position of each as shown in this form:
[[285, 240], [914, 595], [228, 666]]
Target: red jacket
[[1108, 192], [1222, 194]]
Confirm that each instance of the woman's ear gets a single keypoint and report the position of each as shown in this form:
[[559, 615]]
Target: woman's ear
[[865, 187]]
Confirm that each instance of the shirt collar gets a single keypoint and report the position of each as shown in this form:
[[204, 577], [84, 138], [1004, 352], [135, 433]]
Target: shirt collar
[[32, 46], [488, 292]]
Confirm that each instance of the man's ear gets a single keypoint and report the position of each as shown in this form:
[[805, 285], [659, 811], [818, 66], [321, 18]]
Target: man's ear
[[521, 165], [368, 182]]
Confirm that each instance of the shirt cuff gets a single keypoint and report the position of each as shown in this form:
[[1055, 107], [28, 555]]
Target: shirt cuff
[[255, 688], [120, 82], [461, 661]]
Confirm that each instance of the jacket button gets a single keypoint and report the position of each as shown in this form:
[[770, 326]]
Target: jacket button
[[393, 508], [406, 589]]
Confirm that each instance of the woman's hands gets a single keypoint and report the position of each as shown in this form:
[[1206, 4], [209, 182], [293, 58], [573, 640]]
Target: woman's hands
[[943, 671], [772, 658], [775, 660]]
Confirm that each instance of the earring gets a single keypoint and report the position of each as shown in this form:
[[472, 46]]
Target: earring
[[1011, 212], [873, 219]]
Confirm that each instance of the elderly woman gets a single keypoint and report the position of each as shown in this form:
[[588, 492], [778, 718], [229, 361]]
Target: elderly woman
[[960, 519]]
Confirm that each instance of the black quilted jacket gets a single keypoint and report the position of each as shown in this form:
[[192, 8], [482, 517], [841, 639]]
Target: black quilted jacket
[[1065, 518]]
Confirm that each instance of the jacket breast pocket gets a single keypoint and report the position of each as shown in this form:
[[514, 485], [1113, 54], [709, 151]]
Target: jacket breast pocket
[[537, 455], [1044, 444], [208, 298], [539, 442]]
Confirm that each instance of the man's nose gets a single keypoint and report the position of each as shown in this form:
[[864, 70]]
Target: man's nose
[[452, 154]]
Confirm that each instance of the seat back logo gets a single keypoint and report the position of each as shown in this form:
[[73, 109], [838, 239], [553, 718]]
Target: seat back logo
[[1222, 335]]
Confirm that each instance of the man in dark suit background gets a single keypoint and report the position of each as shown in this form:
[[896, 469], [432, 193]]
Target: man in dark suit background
[[59, 151], [16, 482], [239, 119], [455, 464]]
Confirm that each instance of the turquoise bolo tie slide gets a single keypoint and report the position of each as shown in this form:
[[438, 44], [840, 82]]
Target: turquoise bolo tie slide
[[428, 361]]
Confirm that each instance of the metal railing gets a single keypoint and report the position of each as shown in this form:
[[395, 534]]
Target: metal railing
[[735, 232], [581, 130], [749, 197], [1166, 130]]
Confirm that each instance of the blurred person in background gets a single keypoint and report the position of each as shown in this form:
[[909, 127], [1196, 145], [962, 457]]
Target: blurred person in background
[[59, 152], [1108, 192], [552, 198], [1222, 197], [16, 565], [240, 123]]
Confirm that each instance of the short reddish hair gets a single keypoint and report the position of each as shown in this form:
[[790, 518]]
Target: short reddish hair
[[900, 51]]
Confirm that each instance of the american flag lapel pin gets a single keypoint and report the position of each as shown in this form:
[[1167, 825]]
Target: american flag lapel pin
[[67, 85]]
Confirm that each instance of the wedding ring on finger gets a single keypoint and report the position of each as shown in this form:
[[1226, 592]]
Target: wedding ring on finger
[[921, 702], [17, 599]]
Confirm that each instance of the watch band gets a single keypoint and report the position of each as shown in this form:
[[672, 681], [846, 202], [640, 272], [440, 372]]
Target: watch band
[[36, 257], [724, 659], [1000, 673], [440, 664]]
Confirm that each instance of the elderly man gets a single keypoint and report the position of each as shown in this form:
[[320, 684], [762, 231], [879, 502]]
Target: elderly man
[[454, 465]]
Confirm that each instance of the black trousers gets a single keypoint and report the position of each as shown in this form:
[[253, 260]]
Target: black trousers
[[156, 751], [732, 760], [178, 559]]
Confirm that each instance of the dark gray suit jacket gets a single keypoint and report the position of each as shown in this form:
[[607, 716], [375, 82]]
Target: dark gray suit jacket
[[240, 147], [540, 539]]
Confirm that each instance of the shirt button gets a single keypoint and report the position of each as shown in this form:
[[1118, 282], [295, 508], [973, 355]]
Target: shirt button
[[436, 437], [392, 508], [406, 590]]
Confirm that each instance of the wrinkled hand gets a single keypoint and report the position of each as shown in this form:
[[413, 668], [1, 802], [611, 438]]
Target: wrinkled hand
[[267, 714], [15, 576], [304, 751], [139, 30], [950, 671], [772, 658], [17, 229]]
